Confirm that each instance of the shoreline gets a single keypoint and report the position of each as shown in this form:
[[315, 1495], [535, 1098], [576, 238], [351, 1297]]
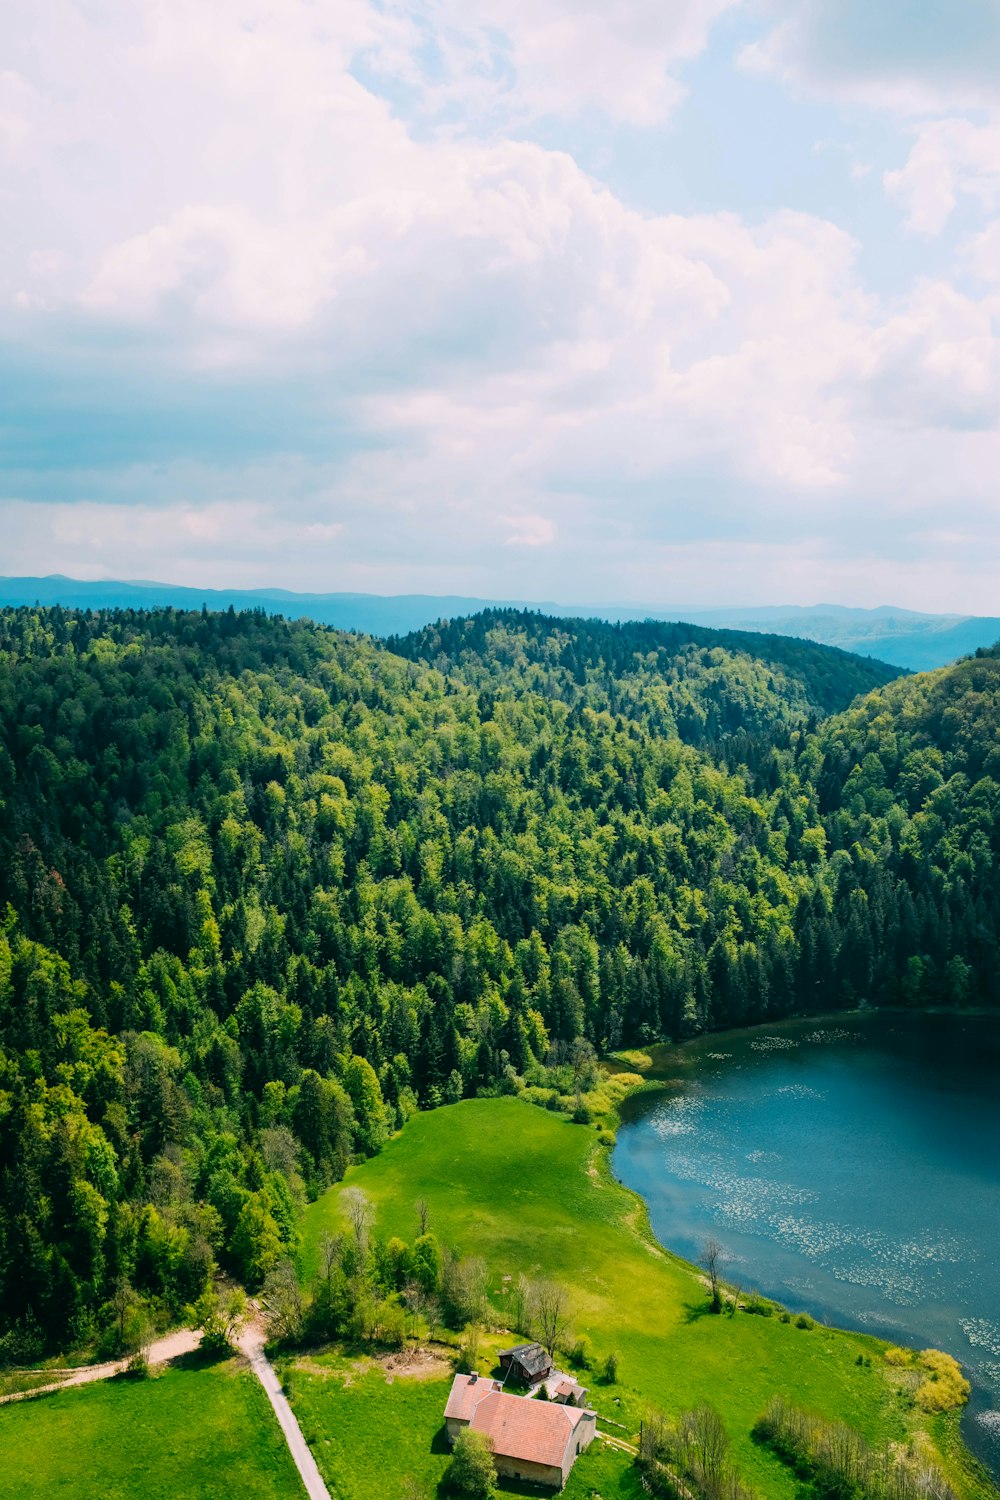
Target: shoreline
[[966, 1423]]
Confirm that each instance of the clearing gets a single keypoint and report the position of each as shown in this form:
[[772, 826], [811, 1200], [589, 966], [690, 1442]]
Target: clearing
[[508, 1181]]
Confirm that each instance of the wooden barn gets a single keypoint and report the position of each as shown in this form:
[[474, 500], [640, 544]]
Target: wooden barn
[[528, 1363]]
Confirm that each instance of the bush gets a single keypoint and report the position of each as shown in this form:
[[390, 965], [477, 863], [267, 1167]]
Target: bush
[[804, 1321], [468, 1350], [609, 1370], [937, 1380], [23, 1344], [579, 1354], [472, 1472], [607, 1138]]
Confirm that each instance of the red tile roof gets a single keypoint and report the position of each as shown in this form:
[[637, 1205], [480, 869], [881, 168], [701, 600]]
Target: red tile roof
[[570, 1388], [538, 1431], [466, 1393]]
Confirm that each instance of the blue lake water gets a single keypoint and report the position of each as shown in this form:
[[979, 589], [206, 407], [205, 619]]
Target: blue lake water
[[850, 1167]]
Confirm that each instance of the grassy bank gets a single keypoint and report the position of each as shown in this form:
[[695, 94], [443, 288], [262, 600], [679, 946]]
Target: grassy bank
[[531, 1193], [187, 1434]]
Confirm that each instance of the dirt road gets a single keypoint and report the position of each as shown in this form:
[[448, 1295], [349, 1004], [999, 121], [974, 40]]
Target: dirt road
[[183, 1341]]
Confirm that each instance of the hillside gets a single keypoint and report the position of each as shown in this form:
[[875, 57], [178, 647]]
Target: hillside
[[908, 782], [269, 889], [908, 639], [701, 685]]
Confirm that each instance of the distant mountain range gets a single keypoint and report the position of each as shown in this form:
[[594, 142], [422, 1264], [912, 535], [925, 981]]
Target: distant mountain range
[[902, 637]]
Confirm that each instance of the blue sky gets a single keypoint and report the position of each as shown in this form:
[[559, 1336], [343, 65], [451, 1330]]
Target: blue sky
[[676, 301]]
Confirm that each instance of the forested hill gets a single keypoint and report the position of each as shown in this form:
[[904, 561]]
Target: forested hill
[[907, 785], [269, 888], [701, 684]]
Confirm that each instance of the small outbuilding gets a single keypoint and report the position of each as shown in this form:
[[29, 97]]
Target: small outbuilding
[[568, 1392], [528, 1363]]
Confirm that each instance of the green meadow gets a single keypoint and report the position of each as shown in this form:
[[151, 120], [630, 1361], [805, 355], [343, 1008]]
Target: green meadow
[[376, 1438], [203, 1433], [531, 1193]]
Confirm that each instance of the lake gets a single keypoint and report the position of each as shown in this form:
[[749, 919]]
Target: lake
[[850, 1167]]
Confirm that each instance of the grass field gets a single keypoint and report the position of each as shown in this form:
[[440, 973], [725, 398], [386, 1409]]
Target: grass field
[[530, 1192], [188, 1434], [13, 1383], [375, 1439]]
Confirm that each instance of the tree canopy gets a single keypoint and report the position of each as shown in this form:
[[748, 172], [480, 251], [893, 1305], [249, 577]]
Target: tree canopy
[[269, 888]]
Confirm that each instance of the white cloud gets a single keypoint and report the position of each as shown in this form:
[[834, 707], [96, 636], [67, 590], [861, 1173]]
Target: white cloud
[[535, 377], [530, 58], [234, 541], [937, 361], [949, 157], [981, 254], [530, 531]]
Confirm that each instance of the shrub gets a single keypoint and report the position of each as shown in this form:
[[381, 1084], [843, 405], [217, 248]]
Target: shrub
[[945, 1386], [23, 1344], [579, 1353], [468, 1350], [938, 1382], [804, 1321], [472, 1472], [544, 1098], [582, 1113], [609, 1370]]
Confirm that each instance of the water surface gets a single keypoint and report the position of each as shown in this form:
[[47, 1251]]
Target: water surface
[[850, 1167]]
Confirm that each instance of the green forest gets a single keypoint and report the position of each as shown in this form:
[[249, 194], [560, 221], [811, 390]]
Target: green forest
[[267, 889]]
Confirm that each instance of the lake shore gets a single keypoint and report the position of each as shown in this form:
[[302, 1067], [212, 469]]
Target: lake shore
[[779, 1246]]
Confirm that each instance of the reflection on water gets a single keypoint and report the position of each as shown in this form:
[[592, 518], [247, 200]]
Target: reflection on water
[[850, 1168]]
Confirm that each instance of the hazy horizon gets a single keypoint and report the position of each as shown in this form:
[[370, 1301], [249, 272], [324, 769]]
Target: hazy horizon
[[529, 603]]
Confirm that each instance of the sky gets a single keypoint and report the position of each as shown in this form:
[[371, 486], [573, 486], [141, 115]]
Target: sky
[[673, 301]]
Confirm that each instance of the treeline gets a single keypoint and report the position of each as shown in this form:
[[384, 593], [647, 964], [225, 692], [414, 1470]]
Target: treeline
[[838, 1463], [269, 889], [690, 1458]]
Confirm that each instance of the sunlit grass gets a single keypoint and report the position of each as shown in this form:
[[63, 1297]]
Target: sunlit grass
[[531, 1192], [188, 1434]]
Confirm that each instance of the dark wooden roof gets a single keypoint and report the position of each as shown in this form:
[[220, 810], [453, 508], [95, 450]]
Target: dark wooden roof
[[533, 1359]]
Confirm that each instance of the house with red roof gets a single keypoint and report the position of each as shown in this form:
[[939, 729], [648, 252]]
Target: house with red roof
[[530, 1439]]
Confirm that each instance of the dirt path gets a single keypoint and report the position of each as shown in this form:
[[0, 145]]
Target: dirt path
[[251, 1342], [617, 1442], [183, 1341]]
